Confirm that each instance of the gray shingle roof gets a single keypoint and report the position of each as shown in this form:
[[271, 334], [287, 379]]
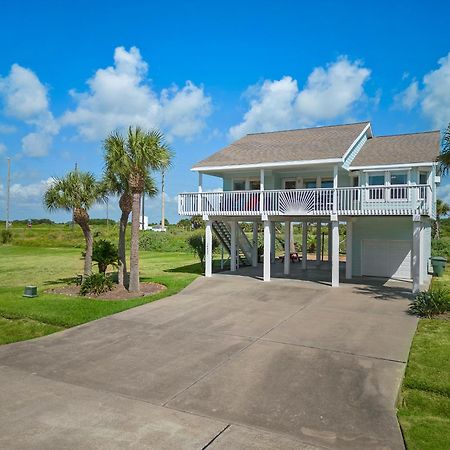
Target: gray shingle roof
[[293, 145], [399, 149]]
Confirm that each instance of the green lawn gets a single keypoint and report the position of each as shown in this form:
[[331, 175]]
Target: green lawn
[[424, 408], [23, 318]]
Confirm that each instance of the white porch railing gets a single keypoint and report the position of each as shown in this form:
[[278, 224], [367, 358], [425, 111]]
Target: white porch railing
[[371, 200]]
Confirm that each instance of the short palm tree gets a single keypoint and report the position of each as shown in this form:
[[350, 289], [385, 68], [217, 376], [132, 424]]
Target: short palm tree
[[131, 158], [77, 192], [444, 157], [442, 209], [116, 181]]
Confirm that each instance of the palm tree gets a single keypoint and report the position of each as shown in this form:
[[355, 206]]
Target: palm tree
[[77, 192], [442, 209], [444, 157], [133, 157], [116, 181]]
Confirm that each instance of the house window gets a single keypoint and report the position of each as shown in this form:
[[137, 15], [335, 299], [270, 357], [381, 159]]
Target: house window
[[255, 185], [423, 180], [396, 191], [376, 193], [326, 183], [310, 184], [239, 185], [290, 184]]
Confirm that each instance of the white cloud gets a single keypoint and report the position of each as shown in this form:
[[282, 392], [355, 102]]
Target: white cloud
[[7, 129], [432, 96], [2, 148], [27, 194], [408, 98], [436, 94], [26, 98], [121, 95], [330, 92]]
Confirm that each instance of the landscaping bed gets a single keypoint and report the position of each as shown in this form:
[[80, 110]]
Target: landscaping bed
[[117, 293]]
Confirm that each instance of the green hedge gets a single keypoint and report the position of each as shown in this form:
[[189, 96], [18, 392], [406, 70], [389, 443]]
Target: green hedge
[[174, 240]]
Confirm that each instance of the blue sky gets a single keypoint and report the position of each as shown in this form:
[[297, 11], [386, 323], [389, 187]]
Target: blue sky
[[206, 73]]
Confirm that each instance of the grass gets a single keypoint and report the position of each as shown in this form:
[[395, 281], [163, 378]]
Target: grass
[[424, 407], [24, 318]]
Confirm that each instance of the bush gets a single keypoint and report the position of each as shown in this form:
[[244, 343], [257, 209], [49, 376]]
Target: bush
[[431, 303], [197, 243], [173, 240], [96, 284], [104, 253], [6, 236], [440, 247]]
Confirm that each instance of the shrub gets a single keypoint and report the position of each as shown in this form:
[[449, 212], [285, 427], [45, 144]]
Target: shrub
[[96, 284], [173, 240], [104, 253], [197, 243], [430, 303], [6, 236], [440, 247]]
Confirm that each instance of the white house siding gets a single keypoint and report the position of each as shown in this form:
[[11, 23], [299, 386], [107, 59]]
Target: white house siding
[[378, 228]]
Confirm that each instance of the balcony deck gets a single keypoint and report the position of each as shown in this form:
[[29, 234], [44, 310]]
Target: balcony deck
[[344, 201]]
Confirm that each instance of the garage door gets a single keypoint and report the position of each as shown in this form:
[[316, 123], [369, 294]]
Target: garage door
[[390, 259]]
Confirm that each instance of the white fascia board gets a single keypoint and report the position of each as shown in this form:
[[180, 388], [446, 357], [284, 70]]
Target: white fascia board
[[392, 166], [363, 132], [268, 165]]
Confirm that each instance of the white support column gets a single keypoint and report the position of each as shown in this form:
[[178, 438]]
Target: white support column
[[304, 244], [200, 190], [330, 242], [233, 246], [272, 242], [255, 245], [318, 240], [416, 253], [422, 263], [349, 250], [208, 249], [287, 247], [335, 253], [267, 245]]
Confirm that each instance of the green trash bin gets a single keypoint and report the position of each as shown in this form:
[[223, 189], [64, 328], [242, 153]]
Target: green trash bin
[[438, 263]]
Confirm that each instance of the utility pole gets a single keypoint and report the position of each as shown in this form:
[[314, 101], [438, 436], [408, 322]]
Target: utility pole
[[163, 200], [8, 185]]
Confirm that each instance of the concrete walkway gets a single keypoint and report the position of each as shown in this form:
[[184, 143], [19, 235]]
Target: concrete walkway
[[229, 363]]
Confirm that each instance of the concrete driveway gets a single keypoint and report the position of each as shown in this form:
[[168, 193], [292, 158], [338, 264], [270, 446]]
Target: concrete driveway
[[229, 363]]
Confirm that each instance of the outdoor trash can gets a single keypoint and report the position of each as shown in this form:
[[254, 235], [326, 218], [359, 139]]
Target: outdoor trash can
[[30, 291], [438, 263]]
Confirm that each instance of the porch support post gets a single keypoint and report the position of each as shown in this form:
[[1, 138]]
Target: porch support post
[[318, 240], [416, 253], [287, 247], [330, 241], [208, 249], [272, 242], [233, 246], [267, 245], [304, 244], [335, 253], [422, 264], [349, 250], [255, 245]]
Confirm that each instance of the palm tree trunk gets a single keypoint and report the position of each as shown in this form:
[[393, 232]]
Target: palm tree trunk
[[134, 252], [123, 274], [81, 217]]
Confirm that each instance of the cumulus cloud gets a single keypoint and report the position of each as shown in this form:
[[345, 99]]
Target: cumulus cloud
[[409, 97], [432, 96], [25, 98], [121, 95], [28, 194], [329, 92]]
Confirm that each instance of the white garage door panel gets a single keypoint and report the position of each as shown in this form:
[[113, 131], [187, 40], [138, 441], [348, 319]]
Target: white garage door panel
[[391, 259]]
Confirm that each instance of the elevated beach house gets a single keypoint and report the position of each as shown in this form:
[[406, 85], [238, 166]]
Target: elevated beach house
[[382, 188]]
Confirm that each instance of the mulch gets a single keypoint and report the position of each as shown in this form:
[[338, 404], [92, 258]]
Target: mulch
[[117, 293]]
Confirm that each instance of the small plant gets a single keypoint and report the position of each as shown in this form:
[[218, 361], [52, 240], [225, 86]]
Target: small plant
[[431, 303], [105, 254], [197, 243], [6, 236], [96, 284]]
